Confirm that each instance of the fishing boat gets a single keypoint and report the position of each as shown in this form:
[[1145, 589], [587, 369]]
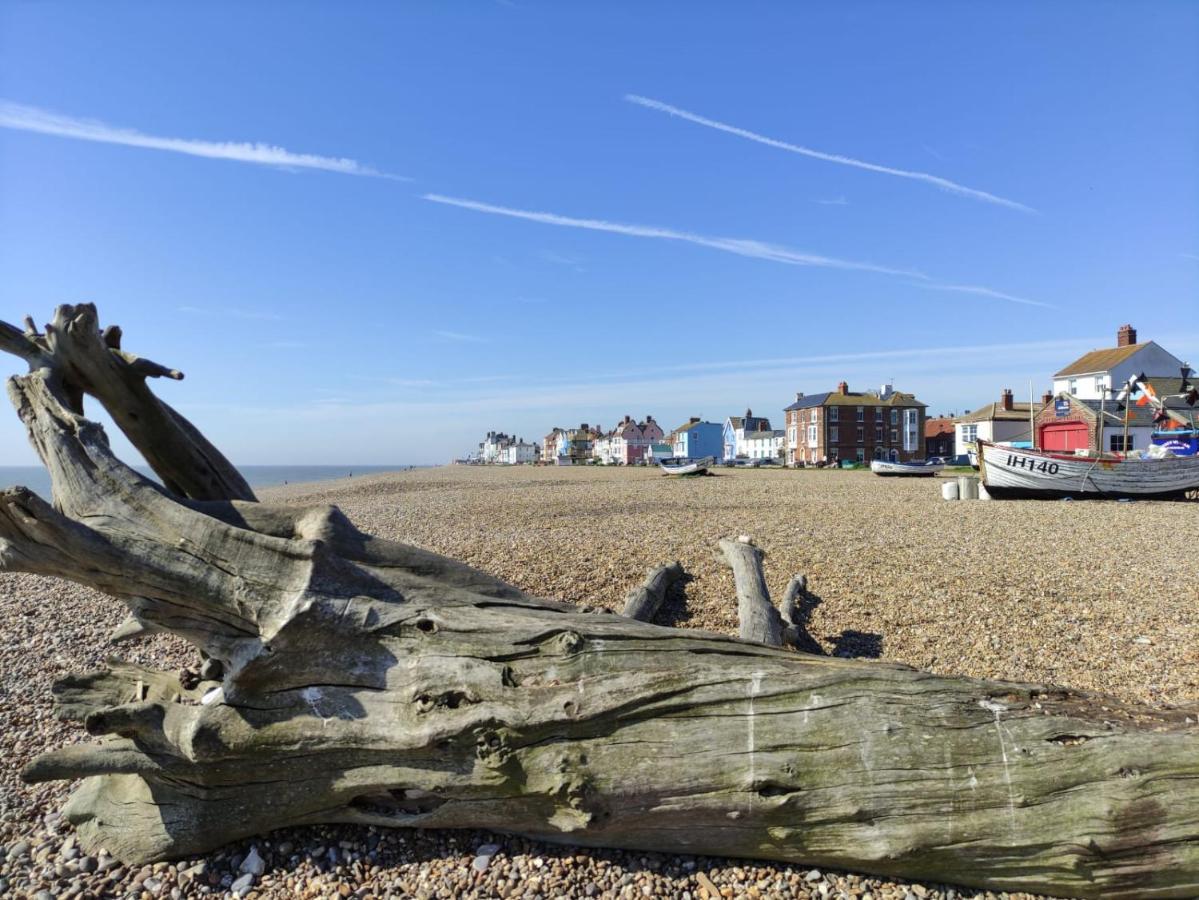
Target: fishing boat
[[681, 466], [910, 469], [1012, 472]]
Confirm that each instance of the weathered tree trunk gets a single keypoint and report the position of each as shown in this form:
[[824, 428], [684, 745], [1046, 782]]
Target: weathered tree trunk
[[369, 681], [644, 601]]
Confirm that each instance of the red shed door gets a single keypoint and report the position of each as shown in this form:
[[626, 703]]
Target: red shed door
[[1065, 436]]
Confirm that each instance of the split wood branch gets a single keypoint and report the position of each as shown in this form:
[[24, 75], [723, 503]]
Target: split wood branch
[[644, 601], [759, 620]]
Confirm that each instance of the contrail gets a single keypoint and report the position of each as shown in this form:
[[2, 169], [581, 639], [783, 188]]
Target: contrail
[[20, 117], [944, 183], [739, 246]]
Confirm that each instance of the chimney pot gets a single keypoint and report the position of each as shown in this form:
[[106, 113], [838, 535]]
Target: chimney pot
[[1006, 399], [1126, 336], [843, 388]]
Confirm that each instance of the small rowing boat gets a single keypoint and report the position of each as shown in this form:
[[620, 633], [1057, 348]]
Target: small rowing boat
[[681, 466], [910, 469], [1010, 472]]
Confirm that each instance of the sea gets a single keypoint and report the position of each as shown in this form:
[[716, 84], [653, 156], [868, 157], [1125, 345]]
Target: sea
[[37, 479]]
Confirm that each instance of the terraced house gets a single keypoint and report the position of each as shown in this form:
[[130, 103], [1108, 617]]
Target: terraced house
[[844, 424]]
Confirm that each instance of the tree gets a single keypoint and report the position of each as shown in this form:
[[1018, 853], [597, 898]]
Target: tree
[[354, 679]]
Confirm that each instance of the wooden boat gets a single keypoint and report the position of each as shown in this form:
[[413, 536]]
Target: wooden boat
[[677, 466], [910, 469], [1011, 472]]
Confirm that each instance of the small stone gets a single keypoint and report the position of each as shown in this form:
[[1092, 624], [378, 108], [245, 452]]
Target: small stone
[[212, 670], [17, 850], [88, 864], [813, 876], [242, 886], [285, 848], [343, 889], [252, 863]]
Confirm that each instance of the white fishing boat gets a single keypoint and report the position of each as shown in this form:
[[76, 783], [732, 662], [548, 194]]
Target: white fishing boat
[[678, 466], [910, 469], [1011, 472]]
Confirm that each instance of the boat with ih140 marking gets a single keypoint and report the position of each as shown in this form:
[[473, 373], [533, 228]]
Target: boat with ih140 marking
[[1009, 472]]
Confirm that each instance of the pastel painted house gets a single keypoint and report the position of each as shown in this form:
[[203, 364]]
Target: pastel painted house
[[629, 439], [735, 430], [763, 445], [697, 440]]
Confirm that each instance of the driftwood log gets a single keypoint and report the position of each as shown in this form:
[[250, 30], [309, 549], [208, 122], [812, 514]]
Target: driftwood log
[[373, 682]]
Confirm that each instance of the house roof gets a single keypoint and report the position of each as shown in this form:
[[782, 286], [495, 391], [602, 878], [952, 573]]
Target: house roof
[[855, 398], [1101, 360], [938, 426], [1139, 416], [995, 412], [763, 435], [750, 423]]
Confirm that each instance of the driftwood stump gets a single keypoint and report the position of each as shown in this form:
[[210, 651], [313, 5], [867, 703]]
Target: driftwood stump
[[369, 681]]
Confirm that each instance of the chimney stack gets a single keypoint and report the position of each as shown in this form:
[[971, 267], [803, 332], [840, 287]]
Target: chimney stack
[[1047, 397], [843, 388], [1007, 398], [798, 396], [1126, 336], [694, 419]]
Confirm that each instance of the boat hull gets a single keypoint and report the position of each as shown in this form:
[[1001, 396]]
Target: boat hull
[[904, 470], [696, 467], [1010, 473]]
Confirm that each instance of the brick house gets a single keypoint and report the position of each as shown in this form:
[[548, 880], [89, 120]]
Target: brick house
[[1066, 423], [845, 424], [938, 436]]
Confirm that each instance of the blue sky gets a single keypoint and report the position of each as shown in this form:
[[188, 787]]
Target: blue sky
[[517, 215]]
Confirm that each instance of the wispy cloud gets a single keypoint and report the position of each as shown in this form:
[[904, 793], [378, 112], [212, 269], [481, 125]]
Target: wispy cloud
[[1189, 256], [944, 183], [460, 337], [738, 246], [20, 117], [835, 201], [232, 313]]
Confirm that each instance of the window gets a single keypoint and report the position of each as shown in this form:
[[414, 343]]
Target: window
[[878, 433], [834, 414], [861, 454], [1074, 387], [861, 431], [811, 435], [894, 435], [861, 414], [969, 434], [894, 418], [812, 417], [834, 434], [1116, 443]]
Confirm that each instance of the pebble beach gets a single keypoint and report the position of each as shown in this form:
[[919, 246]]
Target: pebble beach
[[1099, 596]]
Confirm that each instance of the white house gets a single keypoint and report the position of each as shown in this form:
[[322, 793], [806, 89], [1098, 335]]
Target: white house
[[519, 453], [494, 446], [1089, 376], [735, 430], [1000, 423], [762, 445]]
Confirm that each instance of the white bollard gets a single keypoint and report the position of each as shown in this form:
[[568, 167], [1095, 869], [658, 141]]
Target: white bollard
[[967, 487], [949, 490]]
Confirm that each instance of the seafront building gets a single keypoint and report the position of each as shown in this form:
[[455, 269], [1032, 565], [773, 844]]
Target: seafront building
[[939, 437], [1096, 375], [844, 424], [697, 439], [625, 445], [1005, 422], [735, 430]]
